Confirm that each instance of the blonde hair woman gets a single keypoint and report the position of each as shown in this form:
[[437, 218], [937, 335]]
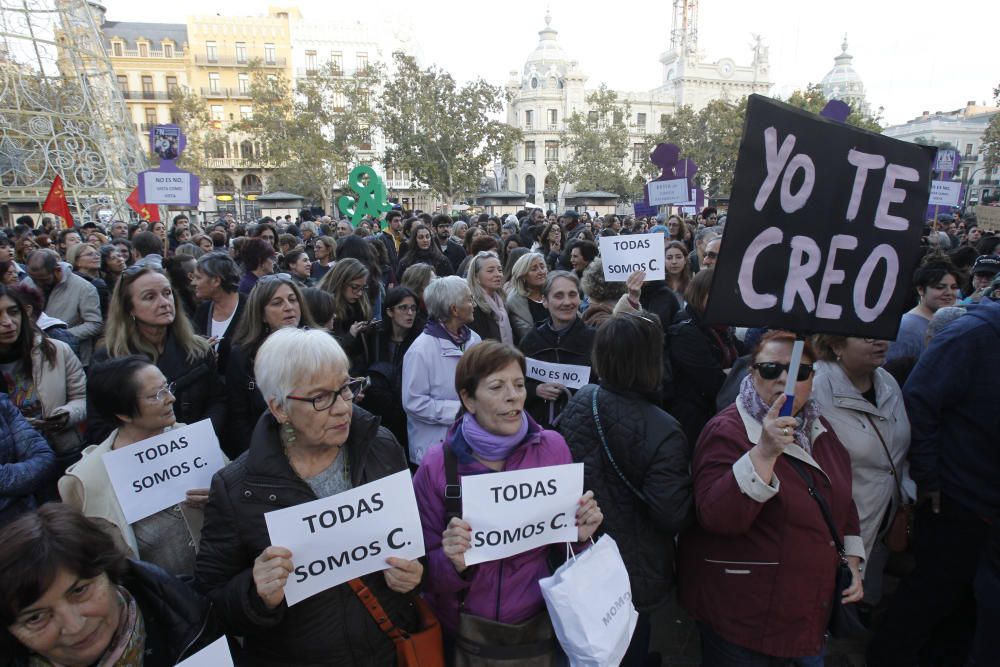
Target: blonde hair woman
[[490, 319], [524, 300]]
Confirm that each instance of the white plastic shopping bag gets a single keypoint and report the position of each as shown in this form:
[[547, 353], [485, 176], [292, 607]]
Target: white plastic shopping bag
[[590, 603]]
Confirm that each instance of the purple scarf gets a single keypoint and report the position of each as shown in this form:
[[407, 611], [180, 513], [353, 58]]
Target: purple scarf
[[438, 330], [490, 446], [758, 409]]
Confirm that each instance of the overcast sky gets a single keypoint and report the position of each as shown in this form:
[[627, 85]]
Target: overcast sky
[[913, 56]]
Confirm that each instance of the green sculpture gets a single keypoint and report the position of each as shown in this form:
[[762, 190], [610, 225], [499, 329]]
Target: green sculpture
[[370, 196]]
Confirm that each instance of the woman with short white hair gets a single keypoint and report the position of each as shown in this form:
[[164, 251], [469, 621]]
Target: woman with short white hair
[[429, 397], [312, 443]]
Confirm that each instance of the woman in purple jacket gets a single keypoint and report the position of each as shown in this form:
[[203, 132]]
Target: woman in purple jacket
[[757, 571], [493, 433]]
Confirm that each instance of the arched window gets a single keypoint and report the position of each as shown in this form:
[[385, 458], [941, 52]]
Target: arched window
[[529, 187], [222, 184], [251, 184], [551, 192], [246, 150]]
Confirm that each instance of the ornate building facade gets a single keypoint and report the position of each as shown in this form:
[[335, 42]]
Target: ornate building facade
[[551, 87]]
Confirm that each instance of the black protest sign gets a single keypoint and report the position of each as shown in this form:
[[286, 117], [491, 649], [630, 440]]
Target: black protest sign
[[823, 228]]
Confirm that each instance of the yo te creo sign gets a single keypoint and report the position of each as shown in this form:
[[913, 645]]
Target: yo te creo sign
[[824, 226]]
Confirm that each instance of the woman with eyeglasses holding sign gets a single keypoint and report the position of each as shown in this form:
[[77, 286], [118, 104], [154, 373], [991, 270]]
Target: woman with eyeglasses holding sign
[[757, 571], [275, 303], [134, 395], [492, 610], [312, 443], [146, 318]]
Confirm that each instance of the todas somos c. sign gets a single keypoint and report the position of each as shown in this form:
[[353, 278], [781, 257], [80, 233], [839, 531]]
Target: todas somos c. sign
[[824, 226]]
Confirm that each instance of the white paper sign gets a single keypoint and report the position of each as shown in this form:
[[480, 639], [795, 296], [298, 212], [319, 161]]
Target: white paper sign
[[667, 192], [347, 535], [569, 375], [623, 255], [167, 187], [215, 654], [155, 473], [513, 512], [945, 193]]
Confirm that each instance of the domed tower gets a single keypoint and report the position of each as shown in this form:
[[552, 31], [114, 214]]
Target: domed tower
[[547, 65], [844, 83]]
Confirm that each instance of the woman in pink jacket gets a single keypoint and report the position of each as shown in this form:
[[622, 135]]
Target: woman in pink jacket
[[757, 570]]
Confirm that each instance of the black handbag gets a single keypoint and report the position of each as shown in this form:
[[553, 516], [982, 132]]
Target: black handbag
[[845, 622]]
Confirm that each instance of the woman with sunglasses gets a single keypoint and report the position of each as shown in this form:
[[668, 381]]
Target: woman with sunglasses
[[145, 318], [274, 303], [312, 443], [757, 571], [864, 404], [135, 396]]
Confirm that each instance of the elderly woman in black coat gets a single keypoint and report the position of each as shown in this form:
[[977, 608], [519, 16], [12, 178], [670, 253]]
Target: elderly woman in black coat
[[312, 443], [635, 458]]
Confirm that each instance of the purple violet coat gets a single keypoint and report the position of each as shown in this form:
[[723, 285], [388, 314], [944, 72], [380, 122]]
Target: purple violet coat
[[503, 590]]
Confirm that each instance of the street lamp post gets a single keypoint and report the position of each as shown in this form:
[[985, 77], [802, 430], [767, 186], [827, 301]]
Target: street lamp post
[[968, 188]]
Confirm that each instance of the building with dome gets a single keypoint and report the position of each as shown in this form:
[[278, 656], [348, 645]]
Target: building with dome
[[551, 87], [844, 83]]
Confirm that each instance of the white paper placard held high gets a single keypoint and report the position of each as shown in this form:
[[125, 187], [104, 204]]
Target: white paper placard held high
[[667, 192], [156, 473], [623, 255], [516, 511], [215, 654], [945, 193], [347, 535], [569, 375]]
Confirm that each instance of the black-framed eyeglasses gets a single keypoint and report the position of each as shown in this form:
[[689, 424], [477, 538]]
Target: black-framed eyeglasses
[[161, 395], [772, 370], [324, 401], [358, 289], [711, 255], [405, 308]]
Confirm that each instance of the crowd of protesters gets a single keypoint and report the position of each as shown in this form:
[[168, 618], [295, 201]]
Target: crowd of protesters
[[328, 356]]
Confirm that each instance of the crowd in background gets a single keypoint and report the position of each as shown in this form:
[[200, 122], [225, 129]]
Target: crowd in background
[[327, 356]]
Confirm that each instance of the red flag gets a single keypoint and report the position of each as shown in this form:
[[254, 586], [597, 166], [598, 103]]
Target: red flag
[[147, 212], [56, 201]]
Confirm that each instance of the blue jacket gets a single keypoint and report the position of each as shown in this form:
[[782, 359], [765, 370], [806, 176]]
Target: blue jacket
[[952, 404], [26, 460]]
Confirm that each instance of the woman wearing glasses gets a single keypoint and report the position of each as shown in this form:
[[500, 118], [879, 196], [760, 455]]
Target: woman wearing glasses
[[864, 404], [145, 318], [313, 443], [136, 397], [393, 337], [353, 321], [275, 303], [757, 571]]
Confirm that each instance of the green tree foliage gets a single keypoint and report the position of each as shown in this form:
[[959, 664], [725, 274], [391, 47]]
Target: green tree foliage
[[313, 134], [813, 100], [598, 147], [446, 135], [205, 138], [991, 138], [710, 137]]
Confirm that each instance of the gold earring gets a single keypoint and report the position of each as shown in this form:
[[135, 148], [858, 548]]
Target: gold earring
[[288, 431]]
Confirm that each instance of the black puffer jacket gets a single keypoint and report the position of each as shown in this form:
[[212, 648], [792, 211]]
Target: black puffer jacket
[[199, 392], [544, 344], [330, 628], [179, 622], [244, 402], [649, 448]]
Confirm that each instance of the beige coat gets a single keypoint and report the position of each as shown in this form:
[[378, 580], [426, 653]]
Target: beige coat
[[873, 487], [87, 488], [61, 387]]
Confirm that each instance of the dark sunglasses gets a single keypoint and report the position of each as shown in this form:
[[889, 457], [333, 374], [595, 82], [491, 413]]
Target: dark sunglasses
[[770, 370]]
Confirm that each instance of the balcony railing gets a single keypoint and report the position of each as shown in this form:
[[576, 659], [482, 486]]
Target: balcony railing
[[225, 93], [230, 61], [146, 95], [178, 54]]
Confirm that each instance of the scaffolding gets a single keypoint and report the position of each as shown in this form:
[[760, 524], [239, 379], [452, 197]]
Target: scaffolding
[[62, 112]]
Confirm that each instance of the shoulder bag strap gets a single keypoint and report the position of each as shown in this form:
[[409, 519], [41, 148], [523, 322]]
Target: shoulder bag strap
[[607, 450], [823, 507], [374, 608], [885, 448]]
